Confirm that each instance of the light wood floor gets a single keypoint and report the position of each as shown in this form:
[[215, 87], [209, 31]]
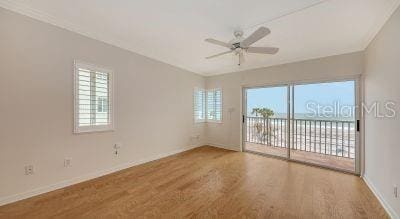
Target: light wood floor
[[209, 182]]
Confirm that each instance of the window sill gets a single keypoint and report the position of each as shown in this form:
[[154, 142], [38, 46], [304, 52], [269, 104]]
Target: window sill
[[213, 121], [208, 121], [91, 129]]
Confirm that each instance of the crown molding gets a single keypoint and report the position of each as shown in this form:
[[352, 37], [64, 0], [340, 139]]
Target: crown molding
[[47, 18], [376, 28], [20, 8]]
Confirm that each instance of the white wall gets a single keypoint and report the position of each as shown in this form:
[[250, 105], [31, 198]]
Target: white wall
[[227, 134], [153, 103], [36, 105], [382, 147]]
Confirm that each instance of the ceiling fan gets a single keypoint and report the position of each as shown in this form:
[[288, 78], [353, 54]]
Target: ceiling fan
[[239, 44]]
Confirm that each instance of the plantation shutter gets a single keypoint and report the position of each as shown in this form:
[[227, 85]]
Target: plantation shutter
[[214, 105], [199, 108], [92, 99]]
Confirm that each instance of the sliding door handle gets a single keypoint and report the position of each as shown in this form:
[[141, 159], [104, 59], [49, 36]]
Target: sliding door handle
[[358, 125]]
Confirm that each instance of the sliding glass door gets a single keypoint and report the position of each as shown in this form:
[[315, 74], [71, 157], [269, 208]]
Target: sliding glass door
[[266, 120], [324, 124], [314, 123]]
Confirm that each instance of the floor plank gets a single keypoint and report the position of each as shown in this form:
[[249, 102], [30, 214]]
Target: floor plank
[[209, 182]]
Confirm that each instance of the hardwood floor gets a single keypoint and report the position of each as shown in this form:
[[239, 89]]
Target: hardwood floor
[[209, 182]]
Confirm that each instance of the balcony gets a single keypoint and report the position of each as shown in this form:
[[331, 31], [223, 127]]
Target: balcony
[[323, 142]]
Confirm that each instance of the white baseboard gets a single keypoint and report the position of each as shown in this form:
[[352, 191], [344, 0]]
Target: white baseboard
[[224, 146], [69, 182], [386, 206]]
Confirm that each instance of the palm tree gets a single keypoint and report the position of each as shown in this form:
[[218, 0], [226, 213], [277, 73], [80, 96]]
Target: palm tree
[[265, 113], [256, 111]]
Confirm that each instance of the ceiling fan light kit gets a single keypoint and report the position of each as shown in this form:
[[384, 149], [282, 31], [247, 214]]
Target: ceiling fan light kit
[[239, 45]]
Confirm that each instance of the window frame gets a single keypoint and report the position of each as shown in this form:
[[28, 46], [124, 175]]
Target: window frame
[[93, 128], [221, 110], [204, 105]]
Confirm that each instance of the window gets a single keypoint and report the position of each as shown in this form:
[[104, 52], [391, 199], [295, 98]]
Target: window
[[199, 105], [207, 105], [93, 99], [214, 105]]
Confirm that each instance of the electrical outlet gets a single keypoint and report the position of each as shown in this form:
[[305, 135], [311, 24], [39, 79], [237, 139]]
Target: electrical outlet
[[395, 191], [116, 147], [67, 162], [29, 170]]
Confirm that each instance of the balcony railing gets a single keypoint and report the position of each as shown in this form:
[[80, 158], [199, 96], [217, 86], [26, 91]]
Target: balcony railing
[[329, 137]]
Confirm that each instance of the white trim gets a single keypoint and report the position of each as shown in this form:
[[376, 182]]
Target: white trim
[[392, 213], [31, 12], [21, 8], [95, 128], [379, 24], [69, 182]]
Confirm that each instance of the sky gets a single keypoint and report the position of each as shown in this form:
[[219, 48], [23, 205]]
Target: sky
[[323, 94]]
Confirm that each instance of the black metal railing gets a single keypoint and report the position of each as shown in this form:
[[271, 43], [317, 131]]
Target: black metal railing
[[329, 137]]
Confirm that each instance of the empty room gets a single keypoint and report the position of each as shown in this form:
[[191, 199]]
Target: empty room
[[199, 109]]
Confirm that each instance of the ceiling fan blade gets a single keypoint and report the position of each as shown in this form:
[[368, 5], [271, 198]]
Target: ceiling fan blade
[[220, 43], [263, 50], [256, 36], [219, 54]]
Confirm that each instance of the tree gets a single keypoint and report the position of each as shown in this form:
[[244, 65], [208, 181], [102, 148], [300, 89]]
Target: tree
[[256, 111], [262, 128], [266, 113]]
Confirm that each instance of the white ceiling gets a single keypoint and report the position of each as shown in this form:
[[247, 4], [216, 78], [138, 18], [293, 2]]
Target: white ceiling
[[173, 31]]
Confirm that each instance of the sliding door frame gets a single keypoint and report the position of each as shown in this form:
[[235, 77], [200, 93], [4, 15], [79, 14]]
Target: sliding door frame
[[290, 100], [244, 120]]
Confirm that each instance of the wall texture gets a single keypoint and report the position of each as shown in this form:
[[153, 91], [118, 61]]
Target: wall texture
[[36, 108], [228, 133], [382, 148]]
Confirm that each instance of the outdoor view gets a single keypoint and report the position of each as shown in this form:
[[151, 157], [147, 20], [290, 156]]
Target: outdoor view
[[322, 123]]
